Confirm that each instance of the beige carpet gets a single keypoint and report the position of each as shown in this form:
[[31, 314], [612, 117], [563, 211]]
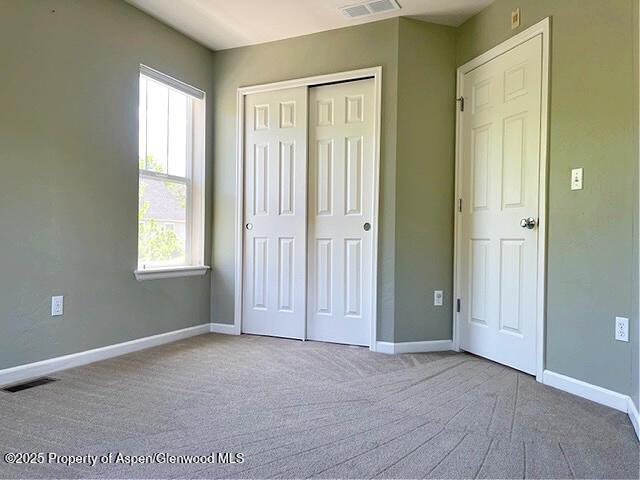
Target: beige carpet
[[307, 409]]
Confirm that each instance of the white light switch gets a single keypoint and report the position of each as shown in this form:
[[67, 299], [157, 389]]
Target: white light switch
[[576, 179], [437, 298], [622, 329], [57, 305]]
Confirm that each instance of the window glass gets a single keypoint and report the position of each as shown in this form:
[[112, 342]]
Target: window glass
[[178, 134], [157, 125], [162, 203]]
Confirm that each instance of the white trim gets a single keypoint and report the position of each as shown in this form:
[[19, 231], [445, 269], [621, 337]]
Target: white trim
[[225, 328], [172, 82], [237, 296], [541, 28], [171, 272], [376, 205], [22, 373], [633, 416], [637, 55], [164, 176], [414, 347], [609, 398], [586, 390], [198, 184], [376, 74]]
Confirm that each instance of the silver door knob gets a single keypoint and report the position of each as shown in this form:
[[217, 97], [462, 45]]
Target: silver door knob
[[249, 226], [529, 223], [367, 226]]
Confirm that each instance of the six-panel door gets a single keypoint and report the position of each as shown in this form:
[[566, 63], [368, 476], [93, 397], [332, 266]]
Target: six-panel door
[[275, 153], [340, 238], [500, 181]]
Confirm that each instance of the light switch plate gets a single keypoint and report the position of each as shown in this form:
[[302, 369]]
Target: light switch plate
[[57, 305], [437, 298], [515, 19], [576, 179], [622, 329]]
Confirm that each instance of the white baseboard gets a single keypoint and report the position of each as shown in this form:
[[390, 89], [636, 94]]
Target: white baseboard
[[29, 371], [586, 390], [227, 329], [600, 395], [634, 416], [414, 347]]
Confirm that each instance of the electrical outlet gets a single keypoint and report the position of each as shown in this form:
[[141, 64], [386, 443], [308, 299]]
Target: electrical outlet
[[515, 18], [622, 329], [576, 179], [57, 305], [437, 298]]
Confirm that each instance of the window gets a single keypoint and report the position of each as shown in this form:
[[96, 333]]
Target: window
[[171, 177]]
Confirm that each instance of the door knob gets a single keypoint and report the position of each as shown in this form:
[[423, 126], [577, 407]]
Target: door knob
[[366, 226], [529, 223], [249, 226]]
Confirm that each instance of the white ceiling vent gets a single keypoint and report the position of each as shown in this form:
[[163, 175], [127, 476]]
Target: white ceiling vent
[[370, 8]]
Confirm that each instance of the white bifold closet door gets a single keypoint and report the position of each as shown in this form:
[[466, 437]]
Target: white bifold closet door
[[275, 213], [340, 238]]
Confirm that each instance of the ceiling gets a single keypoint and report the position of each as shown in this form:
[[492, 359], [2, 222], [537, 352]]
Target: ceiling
[[221, 24]]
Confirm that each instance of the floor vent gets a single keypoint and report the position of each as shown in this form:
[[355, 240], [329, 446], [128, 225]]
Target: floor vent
[[27, 385], [369, 7]]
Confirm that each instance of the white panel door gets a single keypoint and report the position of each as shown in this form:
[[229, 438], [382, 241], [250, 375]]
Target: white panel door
[[341, 161], [500, 179], [275, 154]]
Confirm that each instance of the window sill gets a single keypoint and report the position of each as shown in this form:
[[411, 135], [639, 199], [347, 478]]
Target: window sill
[[171, 272]]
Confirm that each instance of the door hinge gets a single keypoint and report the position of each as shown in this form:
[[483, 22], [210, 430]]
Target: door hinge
[[460, 205], [458, 305], [461, 100]]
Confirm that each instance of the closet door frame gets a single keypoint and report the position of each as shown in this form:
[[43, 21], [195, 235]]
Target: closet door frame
[[376, 74]]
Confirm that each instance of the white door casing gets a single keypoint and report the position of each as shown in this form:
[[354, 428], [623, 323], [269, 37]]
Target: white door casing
[[341, 183], [275, 156], [499, 175]]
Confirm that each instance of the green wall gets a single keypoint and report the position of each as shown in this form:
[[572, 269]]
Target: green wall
[[591, 278], [417, 160], [69, 178], [362, 46], [425, 170], [68, 189]]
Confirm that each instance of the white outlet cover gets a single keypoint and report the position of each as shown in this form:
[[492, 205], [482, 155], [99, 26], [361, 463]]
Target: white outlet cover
[[622, 329], [57, 305], [437, 298], [576, 179]]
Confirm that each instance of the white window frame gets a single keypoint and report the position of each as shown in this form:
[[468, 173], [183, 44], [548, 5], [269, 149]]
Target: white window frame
[[194, 182]]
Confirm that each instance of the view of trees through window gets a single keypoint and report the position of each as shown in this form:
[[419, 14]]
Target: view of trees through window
[[163, 185], [157, 243]]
